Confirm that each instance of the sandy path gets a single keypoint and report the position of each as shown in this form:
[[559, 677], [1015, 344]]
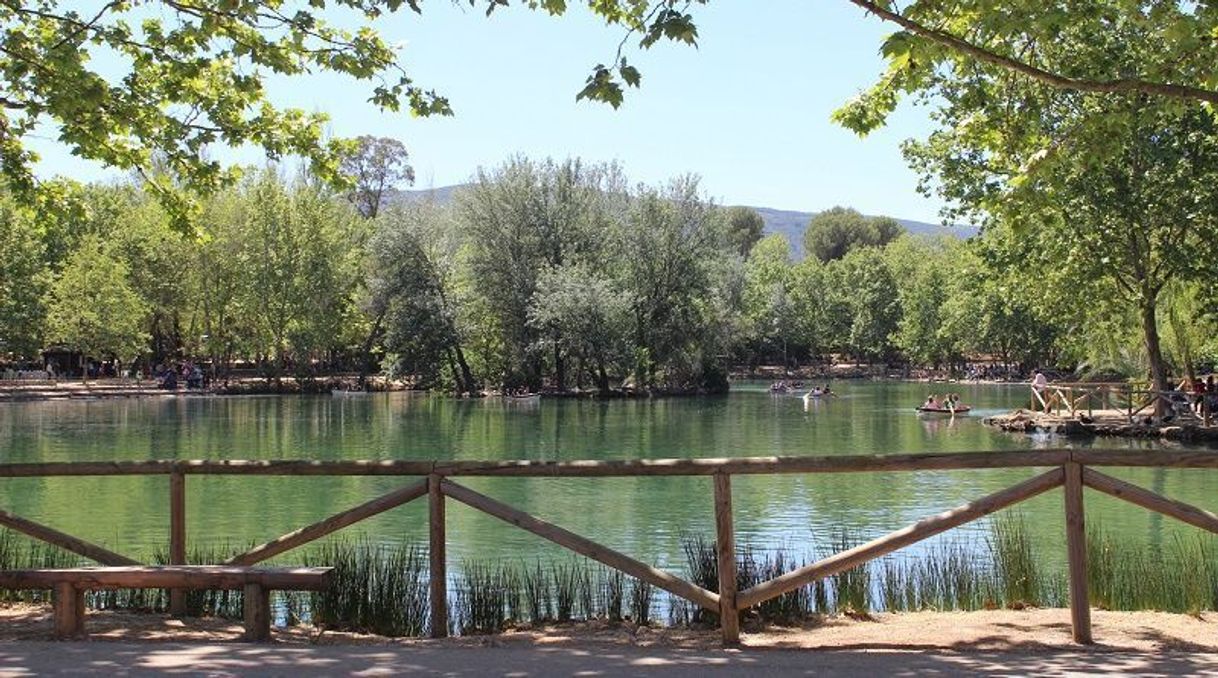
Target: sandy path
[[999, 630]]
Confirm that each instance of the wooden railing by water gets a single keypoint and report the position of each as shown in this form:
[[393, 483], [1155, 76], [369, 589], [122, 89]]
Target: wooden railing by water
[[1070, 469], [1079, 398]]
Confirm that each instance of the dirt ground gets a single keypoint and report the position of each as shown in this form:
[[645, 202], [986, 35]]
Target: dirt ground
[[990, 631]]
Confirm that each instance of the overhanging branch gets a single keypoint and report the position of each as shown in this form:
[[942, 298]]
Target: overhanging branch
[[1120, 85]]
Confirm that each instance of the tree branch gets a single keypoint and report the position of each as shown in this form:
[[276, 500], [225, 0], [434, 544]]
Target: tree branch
[[1120, 85]]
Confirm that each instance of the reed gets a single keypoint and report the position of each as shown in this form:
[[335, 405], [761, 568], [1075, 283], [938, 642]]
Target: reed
[[383, 590], [566, 581], [1179, 576], [851, 588], [1017, 569], [482, 598], [642, 595], [374, 589], [613, 594], [19, 552], [534, 585]]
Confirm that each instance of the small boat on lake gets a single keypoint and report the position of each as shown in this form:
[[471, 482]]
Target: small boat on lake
[[523, 397], [963, 409], [341, 392]]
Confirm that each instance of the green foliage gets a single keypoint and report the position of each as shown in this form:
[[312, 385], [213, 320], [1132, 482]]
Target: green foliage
[[769, 310], [298, 258], [862, 285], [23, 282], [744, 229], [834, 232], [1111, 190], [377, 165], [1163, 53], [414, 285], [925, 271], [178, 77], [92, 307], [584, 316]]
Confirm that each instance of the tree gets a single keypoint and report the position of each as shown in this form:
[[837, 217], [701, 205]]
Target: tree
[[92, 308], [768, 303], [378, 164], [834, 232], [667, 250], [992, 311], [523, 218], [923, 267], [181, 75], [1177, 54], [863, 286], [1122, 191], [588, 315], [413, 290], [299, 255], [24, 278], [744, 228]]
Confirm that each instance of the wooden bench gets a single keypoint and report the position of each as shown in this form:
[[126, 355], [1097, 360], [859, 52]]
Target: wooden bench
[[69, 586]]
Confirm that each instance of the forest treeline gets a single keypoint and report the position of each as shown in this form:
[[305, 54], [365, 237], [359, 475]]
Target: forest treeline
[[540, 274]]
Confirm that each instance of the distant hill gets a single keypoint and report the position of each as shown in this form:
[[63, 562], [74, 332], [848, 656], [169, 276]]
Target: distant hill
[[792, 224], [787, 222]]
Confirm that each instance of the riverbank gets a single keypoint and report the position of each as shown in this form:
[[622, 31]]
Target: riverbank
[[1113, 423], [993, 630], [23, 391]]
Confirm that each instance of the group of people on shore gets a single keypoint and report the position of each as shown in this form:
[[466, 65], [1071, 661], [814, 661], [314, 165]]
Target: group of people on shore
[[1204, 394], [169, 375]]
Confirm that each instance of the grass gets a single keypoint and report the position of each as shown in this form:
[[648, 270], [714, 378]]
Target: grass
[[384, 590], [374, 589]]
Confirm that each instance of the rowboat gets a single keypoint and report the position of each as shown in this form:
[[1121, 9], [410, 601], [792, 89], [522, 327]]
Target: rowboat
[[963, 409]]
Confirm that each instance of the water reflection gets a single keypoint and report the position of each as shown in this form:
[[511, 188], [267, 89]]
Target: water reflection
[[643, 516]]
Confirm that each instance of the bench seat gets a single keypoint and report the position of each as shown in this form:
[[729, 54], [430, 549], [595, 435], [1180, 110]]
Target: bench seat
[[256, 583]]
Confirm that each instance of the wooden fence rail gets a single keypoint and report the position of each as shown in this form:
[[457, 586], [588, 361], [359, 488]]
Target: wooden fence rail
[[1079, 398], [1067, 468]]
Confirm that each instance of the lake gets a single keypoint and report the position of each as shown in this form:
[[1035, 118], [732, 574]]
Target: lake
[[645, 517]]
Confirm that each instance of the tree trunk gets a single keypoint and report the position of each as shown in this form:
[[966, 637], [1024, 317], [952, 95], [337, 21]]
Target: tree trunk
[[602, 379], [1158, 369], [452, 367], [366, 354], [466, 374], [560, 369]]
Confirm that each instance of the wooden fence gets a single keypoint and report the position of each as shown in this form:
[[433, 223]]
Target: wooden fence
[[1079, 398], [1070, 469]]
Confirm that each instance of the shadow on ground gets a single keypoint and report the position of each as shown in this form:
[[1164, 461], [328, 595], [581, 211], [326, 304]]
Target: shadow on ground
[[45, 658]]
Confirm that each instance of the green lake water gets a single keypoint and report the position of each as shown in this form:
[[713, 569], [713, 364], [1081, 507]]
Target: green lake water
[[645, 517]]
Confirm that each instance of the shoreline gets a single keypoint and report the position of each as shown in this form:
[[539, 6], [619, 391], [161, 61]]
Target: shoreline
[[1101, 423], [102, 389]]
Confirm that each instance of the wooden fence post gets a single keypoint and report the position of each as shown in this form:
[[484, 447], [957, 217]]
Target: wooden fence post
[[439, 570], [1076, 553], [725, 549], [177, 537]]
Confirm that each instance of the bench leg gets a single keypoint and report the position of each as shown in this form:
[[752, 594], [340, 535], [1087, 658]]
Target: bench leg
[[69, 610], [257, 607]]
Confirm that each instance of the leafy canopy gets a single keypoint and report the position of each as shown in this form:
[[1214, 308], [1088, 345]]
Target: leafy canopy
[[132, 83]]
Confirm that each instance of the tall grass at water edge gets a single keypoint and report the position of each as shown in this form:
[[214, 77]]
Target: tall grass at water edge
[[384, 590]]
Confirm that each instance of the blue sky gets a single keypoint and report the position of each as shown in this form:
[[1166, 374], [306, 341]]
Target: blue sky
[[748, 110]]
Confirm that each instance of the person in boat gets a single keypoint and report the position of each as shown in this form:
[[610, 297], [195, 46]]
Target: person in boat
[[953, 401], [932, 403], [826, 391]]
